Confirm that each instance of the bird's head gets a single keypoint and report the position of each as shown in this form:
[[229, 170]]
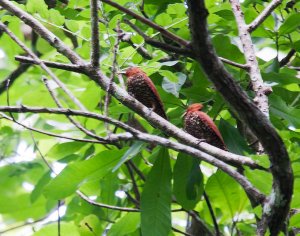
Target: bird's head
[[194, 107], [133, 71]]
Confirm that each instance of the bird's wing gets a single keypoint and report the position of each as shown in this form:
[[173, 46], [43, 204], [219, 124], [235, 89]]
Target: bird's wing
[[210, 123], [157, 97]]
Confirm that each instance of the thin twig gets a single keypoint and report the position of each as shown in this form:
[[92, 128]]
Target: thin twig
[[52, 134], [211, 211], [114, 69], [58, 219], [181, 232], [284, 61], [91, 202], [13, 76], [134, 184], [56, 65]]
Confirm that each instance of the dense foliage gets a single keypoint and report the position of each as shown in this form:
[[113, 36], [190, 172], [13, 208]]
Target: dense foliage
[[163, 184]]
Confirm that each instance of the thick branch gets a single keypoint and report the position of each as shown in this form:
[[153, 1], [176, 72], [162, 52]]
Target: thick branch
[[95, 50], [263, 15], [277, 209]]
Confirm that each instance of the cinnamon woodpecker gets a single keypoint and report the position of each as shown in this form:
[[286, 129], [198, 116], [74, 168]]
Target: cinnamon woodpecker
[[140, 86], [201, 126]]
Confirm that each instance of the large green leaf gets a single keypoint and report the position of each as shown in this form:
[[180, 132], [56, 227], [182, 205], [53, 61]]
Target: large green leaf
[[290, 24], [126, 225], [188, 181], [226, 194], [280, 109], [51, 229], [69, 180], [234, 141], [156, 198]]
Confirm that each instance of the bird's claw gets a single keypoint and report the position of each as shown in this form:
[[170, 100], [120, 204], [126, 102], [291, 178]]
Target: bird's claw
[[200, 141]]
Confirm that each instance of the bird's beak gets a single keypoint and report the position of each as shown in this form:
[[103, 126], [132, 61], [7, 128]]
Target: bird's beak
[[183, 115], [122, 72]]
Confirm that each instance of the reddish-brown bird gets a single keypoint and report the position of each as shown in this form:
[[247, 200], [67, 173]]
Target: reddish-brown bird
[[201, 126], [140, 86]]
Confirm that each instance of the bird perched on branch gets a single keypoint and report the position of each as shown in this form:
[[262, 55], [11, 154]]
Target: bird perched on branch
[[140, 86], [201, 126]]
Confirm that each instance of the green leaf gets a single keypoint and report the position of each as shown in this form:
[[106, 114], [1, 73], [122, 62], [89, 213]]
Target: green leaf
[[290, 24], [37, 191], [126, 225], [156, 198], [174, 87], [234, 141], [51, 229], [163, 19], [37, 6], [226, 194], [226, 14], [188, 181], [130, 153], [56, 17], [69, 180], [169, 75], [280, 109], [260, 179], [90, 226], [61, 150]]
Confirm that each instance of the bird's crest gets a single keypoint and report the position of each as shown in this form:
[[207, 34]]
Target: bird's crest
[[133, 71], [194, 107]]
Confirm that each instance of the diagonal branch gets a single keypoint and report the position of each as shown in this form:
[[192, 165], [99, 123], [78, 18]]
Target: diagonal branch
[[263, 15], [148, 22], [135, 134]]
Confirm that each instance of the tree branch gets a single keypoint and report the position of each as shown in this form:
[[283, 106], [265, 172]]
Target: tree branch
[[148, 22], [95, 50], [13, 76], [56, 65], [277, 206], [263, 15], [151, 139], [166, 47], [257, 82], [91, 202], [284, 61]]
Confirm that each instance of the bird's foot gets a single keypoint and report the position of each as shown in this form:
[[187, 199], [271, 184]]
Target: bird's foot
[[200, 141]]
